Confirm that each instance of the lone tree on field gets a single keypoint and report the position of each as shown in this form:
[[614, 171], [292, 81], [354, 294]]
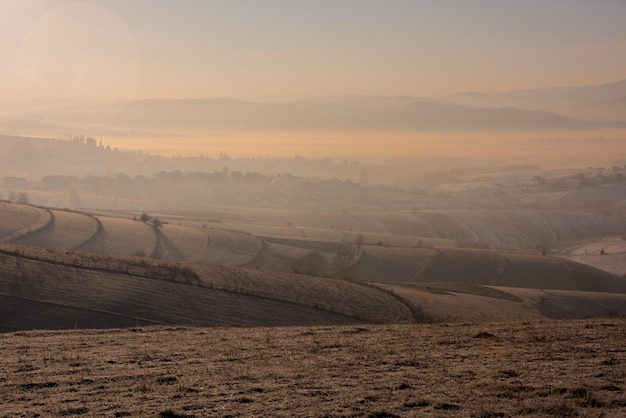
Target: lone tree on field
[[156, 223]]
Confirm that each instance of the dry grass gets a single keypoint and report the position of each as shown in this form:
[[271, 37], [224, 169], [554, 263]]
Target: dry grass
[[454, 302], [66, 230], [123, 236], [61, 289], [550, 368], [15, 218], [166, 292], [19, 220], [208, 245], [479, 267], [377, 260]]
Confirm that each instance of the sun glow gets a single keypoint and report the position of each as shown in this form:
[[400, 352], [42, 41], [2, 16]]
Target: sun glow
[[78, 51]]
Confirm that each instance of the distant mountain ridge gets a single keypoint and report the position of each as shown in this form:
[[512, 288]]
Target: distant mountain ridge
[[555, 108], [597, 92], [605, 101], [355, 113]]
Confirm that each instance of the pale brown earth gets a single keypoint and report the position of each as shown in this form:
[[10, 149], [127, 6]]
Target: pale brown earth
[[534, 369]]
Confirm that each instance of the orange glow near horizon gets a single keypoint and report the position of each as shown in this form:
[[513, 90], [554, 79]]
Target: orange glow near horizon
[[118, 51], [553, 148]]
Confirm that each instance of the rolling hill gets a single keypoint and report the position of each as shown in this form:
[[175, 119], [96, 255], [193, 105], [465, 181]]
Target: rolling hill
[[352, 113], [601, 101], [96, 290], [314, 114], [103, 271]]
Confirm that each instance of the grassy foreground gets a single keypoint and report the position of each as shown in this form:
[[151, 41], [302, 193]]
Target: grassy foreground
[[547, 368]]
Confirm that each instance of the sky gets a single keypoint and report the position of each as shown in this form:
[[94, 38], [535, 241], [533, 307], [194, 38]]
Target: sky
[[108, 50]]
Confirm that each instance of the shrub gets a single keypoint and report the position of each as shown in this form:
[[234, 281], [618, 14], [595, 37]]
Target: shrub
[[312, 264]]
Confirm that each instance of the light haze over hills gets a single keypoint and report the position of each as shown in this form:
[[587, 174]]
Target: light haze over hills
[[601, 101], [588, 107], [322, 79], [327, 163]]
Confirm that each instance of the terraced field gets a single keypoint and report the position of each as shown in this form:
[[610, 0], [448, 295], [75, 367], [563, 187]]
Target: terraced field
[[19, 220], [187, 273], [64, 230], [122, 236]]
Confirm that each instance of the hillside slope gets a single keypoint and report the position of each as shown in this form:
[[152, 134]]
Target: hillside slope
[[107, 291], [461, 302], [477, 266]]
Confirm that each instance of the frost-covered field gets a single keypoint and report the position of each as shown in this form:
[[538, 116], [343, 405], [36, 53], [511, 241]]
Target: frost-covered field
[[607, 254], [122, 236], [529, 369]]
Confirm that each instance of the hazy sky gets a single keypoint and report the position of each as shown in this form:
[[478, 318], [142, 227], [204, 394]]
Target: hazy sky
[[272, 49]]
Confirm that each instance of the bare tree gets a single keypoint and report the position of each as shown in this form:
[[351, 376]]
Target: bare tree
[[359, 240]]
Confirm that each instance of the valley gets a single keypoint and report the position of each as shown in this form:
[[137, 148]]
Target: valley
[[488, 245]]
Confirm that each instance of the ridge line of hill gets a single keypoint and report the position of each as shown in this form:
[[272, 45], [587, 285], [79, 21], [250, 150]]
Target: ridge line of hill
[[185, 275], [138, 264]]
